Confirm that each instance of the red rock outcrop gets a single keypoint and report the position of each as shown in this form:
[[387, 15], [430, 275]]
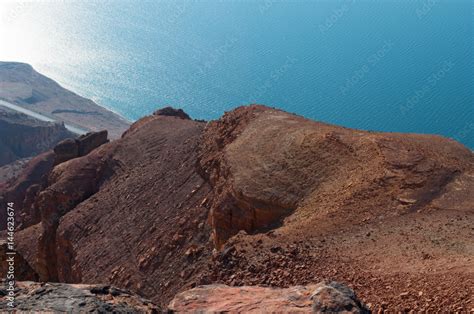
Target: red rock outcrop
[[65, 150], [24, 191], [321, 298], [81, 146], [265, 164], [69, 184], [122, 203], [289, 201], [90, 141]]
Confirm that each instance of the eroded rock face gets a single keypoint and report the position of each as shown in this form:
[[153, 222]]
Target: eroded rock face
[[265, 163], [322, 298], [22, 136], [68, 185], [25, 190], [61, 298], [145, 183], [232, 210], [65, 150], [90, 141], [83, 145]]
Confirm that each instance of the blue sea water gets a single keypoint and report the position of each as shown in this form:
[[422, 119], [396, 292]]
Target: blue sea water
[[401, 66]]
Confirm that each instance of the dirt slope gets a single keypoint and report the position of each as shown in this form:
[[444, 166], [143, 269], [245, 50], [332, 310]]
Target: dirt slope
[[390, 214]]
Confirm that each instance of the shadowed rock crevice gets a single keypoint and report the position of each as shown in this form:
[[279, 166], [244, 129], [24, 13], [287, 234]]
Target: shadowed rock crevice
[[69, 184]]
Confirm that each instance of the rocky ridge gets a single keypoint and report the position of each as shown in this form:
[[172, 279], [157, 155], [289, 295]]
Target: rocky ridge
[[261, 197], [24, 190]]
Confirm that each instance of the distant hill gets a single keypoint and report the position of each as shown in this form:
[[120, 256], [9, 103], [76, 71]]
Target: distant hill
[[20, 84]]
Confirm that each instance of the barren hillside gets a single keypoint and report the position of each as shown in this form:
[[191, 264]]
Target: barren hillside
[[261, 197]]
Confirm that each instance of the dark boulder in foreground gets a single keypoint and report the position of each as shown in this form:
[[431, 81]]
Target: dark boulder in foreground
[[335, 297], [61, 298]]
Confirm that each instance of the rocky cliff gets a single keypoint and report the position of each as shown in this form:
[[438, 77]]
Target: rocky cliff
[[24, 190], [260, 197], [23, 137], [20, 84]]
